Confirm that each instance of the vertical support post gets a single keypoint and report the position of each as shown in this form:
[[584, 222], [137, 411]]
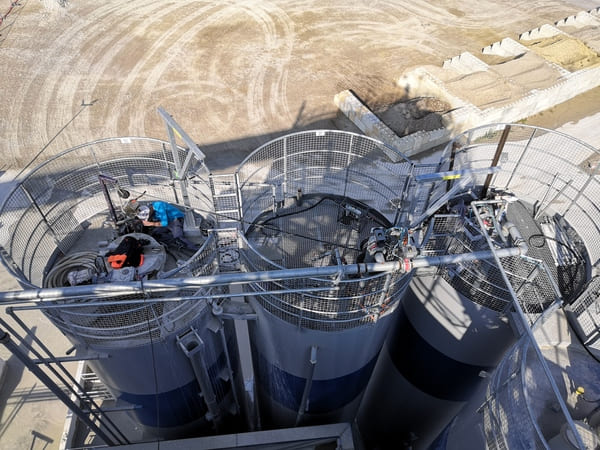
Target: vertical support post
[[348, 161], [229, 368], [384, 293], [499, 150], [561, 190], [451, 162], [518, 163], [181, 169], [285, 167], [44, 219], [193, 347], [103, 179], [592, 176], [308, 386], [172, 128], [10, 264], [238, 191]]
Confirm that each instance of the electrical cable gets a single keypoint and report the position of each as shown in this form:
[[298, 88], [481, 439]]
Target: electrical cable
[[279, 230], [558, 241], [274, 228], [154, 372], [578, 265]]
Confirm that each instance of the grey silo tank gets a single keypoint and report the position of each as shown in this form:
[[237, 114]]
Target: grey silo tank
[[526, 161], [146, 350], [310, 199]]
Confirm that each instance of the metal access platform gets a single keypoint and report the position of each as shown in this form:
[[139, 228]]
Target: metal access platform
[[504, 217]]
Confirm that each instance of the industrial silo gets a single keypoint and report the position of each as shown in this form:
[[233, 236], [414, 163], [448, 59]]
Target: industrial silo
[[165, 357], [307, 200], [544, 392], [455, 325]]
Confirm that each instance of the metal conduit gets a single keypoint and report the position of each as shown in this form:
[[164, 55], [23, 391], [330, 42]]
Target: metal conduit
[[308, 385], [152, 286]]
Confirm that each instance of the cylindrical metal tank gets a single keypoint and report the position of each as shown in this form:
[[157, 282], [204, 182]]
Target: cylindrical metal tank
[[171, 362], [519, 408], [451, 328], [432, 362], [311, 199]]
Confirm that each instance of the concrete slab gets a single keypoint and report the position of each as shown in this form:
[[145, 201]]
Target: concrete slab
[[528, 70]]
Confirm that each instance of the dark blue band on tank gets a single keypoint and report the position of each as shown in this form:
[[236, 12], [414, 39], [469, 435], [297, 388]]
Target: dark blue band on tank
[[325, 395], [179, 406], [427, 368], [168, 409]]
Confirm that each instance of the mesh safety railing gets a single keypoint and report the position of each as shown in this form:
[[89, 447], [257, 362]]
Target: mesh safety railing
[[323, 162], [135, 319], [553, 172], [335, 303], [558, 176], [294, 190], [50, 208], [481, 280]]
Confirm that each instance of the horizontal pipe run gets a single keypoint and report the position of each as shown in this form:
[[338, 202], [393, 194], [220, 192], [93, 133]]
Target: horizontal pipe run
[[174, 284], [143, 287], [179, 298], [63, 359], [518, 240], [464, 257]]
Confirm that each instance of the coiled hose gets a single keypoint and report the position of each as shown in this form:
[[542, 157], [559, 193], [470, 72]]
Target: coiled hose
[[58, 275]]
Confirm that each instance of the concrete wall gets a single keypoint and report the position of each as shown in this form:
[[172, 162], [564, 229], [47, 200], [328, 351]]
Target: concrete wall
[[545, 31], [505, 47], [372, 126], [465, 63], [540, 100], [464, 115], [579, 20]]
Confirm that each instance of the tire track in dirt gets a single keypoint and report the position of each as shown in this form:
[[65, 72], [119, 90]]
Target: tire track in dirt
[[142, 78], [95, 58], [215, 87], [228, 69], [180, 76], [279, 35], [32, 101], [105, 64]]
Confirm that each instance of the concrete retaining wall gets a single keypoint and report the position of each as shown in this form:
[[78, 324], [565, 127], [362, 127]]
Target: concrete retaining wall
[[579, 20], [464, 115], [373, 127], [466, 63], [545, 31], [540, 100], [505, 47]]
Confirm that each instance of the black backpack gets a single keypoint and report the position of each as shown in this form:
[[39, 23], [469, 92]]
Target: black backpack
[[129, 253]]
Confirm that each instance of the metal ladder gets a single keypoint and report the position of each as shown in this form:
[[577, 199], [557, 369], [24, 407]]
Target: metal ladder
[[226, 201]]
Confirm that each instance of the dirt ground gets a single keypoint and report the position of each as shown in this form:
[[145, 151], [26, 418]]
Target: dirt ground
[[234, 74]]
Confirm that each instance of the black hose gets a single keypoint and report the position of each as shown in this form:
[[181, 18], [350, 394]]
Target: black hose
[[558, 241]]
